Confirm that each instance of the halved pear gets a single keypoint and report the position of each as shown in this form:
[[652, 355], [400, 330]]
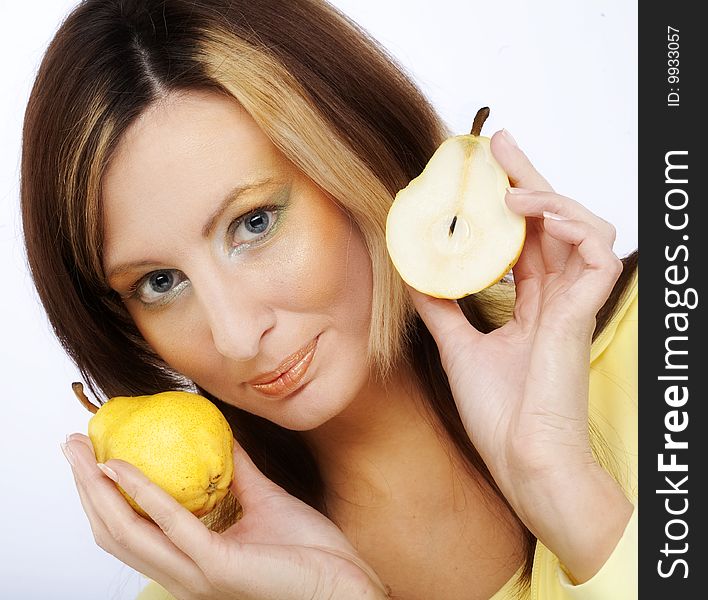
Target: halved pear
[[449, 232]]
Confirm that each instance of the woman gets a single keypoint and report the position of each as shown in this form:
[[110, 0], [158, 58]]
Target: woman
[[205, 187]]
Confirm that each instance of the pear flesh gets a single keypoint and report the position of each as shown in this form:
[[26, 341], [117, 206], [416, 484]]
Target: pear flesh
[[449, 232], [179, 440]]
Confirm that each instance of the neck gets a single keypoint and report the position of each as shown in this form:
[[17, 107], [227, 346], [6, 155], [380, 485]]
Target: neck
[[378, 447], [397, 487]]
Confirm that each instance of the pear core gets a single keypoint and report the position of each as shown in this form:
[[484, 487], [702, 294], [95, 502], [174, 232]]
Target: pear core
[[449, 232], [181, 441]]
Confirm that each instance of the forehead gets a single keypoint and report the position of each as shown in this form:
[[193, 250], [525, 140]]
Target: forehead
[[186, 137], [182, 155]]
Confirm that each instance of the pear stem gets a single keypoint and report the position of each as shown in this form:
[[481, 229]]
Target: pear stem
[[78, 388], [479, 120]]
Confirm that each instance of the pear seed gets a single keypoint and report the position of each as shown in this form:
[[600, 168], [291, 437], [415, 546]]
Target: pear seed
[[452, 225]]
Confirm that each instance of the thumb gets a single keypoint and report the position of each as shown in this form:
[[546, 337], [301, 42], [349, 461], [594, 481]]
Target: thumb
[[443, 318], [249, 484]]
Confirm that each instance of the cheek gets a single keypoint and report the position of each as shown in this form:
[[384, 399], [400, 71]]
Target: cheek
[[328, 270], [166, 335]]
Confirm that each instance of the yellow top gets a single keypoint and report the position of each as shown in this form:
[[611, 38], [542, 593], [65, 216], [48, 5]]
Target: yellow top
[[613, 412]]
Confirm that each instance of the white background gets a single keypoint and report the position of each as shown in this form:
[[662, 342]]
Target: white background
[[560, 75]]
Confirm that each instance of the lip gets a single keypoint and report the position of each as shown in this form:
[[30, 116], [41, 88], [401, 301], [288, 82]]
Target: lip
[[288, 375]]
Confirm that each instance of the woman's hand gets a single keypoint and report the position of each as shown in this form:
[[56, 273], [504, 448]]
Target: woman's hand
[[281, 549], [522, 390]]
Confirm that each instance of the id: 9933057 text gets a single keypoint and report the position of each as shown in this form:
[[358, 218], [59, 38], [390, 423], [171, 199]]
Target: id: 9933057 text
[[672, 66]]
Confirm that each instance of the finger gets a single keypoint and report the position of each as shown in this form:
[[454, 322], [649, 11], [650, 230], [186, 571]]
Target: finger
[[80, 437], [78, 466], [540, 254], [445, 321], [181, 527], [601, 269], [120, 531], [81, 461], [518, 167], [249, 484], [532, 203]]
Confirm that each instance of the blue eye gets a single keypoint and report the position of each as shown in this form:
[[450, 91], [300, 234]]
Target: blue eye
[[160, 285], [253, 226], [258, 222], [161, 282]]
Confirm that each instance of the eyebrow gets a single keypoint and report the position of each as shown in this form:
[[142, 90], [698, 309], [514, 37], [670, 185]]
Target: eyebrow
[[224, 205], [228, 200]]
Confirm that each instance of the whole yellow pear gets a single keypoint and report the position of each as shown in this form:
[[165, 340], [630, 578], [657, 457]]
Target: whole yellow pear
[[181, 441]]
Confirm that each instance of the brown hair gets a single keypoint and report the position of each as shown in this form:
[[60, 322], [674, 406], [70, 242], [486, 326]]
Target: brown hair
[[327, 96]]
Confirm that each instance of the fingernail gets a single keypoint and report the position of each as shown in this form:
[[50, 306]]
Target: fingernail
[[107, 471], [509, 138], [554, 216], [513, 190], [67, 453]]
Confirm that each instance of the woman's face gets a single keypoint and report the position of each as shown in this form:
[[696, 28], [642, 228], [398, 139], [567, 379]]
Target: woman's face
[[234, 265]]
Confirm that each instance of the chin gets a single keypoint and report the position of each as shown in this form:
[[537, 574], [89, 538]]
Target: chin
[[306, 411], [319, 401]]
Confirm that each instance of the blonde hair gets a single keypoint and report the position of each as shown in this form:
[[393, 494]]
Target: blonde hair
[[280, 106]]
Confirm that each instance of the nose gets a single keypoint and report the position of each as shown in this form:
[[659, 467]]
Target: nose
[[236, 315]]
